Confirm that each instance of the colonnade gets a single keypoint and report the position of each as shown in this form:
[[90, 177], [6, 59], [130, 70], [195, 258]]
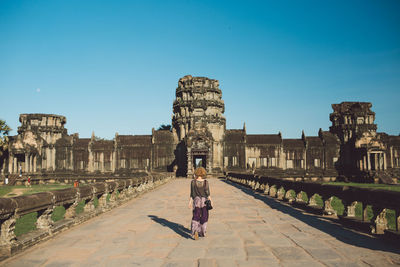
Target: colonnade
[[373, 160]]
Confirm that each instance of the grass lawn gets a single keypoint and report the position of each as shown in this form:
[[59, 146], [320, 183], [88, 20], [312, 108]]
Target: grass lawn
[[371, 186], [11, 191], [4, 190]]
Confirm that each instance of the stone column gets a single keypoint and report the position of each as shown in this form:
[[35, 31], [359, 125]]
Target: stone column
[[364, 163], [31, 163], [48, 158], [34, 163], [369, 160], [102, 162], [384, 161], [11, 163], [53, 159], [26, 169], [391, 157], [15, 167]]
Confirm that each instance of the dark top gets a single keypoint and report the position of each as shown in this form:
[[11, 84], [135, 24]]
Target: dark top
[[199, 189]]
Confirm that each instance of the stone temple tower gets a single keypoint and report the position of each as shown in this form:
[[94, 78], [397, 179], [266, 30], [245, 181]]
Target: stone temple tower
[[198, 124]]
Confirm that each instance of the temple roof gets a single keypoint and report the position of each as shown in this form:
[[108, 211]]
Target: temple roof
[[163, 136], [134, 139], [293, 143], [314, 141], [263, 139], [103, 144], [234, 136]]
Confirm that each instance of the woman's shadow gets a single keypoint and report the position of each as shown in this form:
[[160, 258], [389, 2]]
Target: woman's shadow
[[177, 228]]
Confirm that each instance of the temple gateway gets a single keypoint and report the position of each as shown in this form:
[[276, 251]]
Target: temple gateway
[[352, 148]]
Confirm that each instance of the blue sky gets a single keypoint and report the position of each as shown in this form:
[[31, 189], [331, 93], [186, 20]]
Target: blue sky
[[113, 66]]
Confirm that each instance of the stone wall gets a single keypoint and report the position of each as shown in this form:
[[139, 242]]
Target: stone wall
[[380, 201], [97, 198]]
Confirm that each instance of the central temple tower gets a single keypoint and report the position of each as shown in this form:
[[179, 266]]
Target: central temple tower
[[198, 124]]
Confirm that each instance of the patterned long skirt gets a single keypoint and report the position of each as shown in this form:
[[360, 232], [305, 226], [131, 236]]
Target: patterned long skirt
[[200, 216]]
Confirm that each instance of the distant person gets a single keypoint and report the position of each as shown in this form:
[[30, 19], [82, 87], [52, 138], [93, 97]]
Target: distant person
[[199, 193], [29, 181], [20, 171]]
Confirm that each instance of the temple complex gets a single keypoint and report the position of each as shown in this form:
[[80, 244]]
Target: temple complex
[[352, 148]]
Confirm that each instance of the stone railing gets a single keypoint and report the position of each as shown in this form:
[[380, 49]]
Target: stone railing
[[95, 198], [377, 201]]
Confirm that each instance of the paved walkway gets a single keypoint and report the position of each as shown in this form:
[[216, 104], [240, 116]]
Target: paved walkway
[[245, 229]]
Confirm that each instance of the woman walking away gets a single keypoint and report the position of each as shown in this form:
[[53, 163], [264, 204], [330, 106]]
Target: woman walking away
[[199, 193]]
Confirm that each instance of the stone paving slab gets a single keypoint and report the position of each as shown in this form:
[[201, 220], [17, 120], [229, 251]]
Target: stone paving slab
[[245, 229]]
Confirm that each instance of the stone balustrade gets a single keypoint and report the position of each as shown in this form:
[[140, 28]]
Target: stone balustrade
[[380, 201], [97, 198]]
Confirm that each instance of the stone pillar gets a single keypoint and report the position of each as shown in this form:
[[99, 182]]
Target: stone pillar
[[364, 163], [53, 159], [391, 157], [376, 161], [189, 163], [113, 161], [369, 161], [26, 169], [48, 158], [31, 163], [102, 162], [11, 164], [384, 161], [35, 163], [15, 167]]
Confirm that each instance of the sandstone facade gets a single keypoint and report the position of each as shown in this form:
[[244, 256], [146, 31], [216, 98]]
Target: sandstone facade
[[352, 147]]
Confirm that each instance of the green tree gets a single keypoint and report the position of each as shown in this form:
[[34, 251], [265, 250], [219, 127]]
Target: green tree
[[4, 130], [165, 127]]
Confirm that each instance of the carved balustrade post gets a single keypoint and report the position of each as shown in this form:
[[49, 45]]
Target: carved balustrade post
[[328, 209], [44, 220], [299, 197], [131, 190], [312, 201], [262, 187], [350, 208], [266, 189], [379, 220], [124, 194], [364, 213], [7, 235], [256, 185], [114, 196], [289, 197], [281, 193], [89, 205], [70, 210], [103, 200], [272, 191]]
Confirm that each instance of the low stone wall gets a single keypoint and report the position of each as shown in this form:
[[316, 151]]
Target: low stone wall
[[291, 191], [67, 178], [107, 195]]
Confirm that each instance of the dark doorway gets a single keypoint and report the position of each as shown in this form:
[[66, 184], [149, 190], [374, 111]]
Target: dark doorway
[[199, 161]]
